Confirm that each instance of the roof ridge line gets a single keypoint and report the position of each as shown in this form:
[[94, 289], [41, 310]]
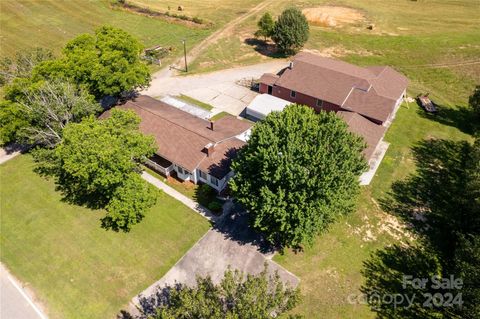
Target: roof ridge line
[[172, 121], [339, 71]]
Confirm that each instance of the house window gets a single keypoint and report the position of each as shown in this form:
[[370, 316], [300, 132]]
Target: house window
[[203, 175], [214, 180], [319, 103], [293, 94], [180, 170]]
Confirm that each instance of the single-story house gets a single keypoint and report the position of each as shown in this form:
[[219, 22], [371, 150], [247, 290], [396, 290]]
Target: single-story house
[[374, 92], [197, 150]]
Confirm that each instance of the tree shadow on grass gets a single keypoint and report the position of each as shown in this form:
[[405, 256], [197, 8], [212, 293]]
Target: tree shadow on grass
[[265, 48], [460, 117], [438, 205], [432, 199]]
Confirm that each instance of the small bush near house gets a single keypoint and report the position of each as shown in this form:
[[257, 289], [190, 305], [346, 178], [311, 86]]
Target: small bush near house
[[215, 206]]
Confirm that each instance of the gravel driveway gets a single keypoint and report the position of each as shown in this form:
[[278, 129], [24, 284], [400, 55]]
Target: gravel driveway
[[218, 89]]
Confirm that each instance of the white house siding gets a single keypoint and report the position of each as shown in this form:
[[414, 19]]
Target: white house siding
[[221, 182], [181, 173], [397, 106]]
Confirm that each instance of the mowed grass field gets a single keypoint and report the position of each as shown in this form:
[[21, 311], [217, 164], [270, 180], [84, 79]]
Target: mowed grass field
[[218, 12], [76, 268], [51, 23]]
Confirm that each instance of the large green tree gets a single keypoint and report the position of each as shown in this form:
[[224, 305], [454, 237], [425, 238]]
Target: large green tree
[[40, 114], [298, 173], [97, 164], [237, 296], [107, 63], [22, 64], [12, 121], [291, 30], [265, 26]]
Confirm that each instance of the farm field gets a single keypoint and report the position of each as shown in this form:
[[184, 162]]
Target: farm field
[[219, 12], [51, 23], [76, 268], [411, 36]]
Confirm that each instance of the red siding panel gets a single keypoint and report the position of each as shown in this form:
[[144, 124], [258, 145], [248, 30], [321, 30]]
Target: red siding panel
[[303, 99]]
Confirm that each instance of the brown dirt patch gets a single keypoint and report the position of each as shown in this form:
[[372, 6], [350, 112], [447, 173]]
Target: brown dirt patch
[[338, 51], [332, 16]]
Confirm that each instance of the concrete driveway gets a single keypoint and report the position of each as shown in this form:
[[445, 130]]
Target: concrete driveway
[[219, 89], [231, 243]]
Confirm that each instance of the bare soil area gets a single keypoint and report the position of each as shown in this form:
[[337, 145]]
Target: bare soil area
[[333, 16]]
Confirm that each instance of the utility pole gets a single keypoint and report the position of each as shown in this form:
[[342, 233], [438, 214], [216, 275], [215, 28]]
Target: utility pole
[[185, 54]]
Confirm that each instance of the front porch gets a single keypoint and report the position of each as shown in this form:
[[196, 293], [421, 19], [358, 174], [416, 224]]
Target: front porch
[[160, 165]]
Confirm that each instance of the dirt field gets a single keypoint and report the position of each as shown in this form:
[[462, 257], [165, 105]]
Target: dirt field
[[332, 16]]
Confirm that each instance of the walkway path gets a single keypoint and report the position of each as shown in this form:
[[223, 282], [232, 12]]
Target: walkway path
[[180, 197], [9, 152]]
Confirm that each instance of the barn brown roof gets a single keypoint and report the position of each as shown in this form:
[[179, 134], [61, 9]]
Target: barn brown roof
[[181, 137], [371, 132], [269, 78], [371, 91]]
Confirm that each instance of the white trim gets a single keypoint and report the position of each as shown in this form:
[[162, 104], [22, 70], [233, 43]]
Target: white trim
[[348, 95], [24, 295], [200, 172]]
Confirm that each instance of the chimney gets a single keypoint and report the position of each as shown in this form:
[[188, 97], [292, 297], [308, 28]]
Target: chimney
[[211, 125], [208, 149], [290, 65]]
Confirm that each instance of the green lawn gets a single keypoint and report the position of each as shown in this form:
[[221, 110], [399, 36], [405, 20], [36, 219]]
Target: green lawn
[[195, 102], [219, 116], [75, 267]]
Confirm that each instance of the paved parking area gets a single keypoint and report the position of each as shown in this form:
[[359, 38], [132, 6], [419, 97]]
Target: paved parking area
[[230, 243], [219, 89]]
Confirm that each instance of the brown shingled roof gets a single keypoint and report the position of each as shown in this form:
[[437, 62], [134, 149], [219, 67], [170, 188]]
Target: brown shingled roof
[[268, 78], [182, 137], [371, 132], [371, 91]]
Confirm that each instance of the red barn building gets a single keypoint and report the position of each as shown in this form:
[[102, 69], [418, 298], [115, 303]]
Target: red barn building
[[373, 92]]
